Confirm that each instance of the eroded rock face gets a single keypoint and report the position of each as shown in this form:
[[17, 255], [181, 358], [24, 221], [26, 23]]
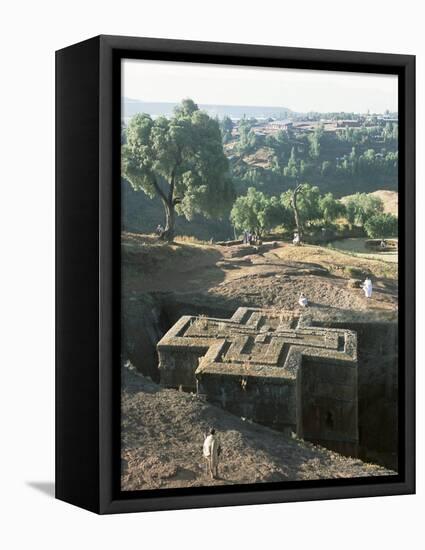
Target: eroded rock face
[[271, 367], [146, 317], [141, 328]]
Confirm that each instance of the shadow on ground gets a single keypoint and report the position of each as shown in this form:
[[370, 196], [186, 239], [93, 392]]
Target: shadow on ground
[[46, 487]]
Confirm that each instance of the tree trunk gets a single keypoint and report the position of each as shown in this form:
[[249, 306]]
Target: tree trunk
[[168, 233], [298, 222]]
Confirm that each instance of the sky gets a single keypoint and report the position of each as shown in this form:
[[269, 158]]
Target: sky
[[297, 89]]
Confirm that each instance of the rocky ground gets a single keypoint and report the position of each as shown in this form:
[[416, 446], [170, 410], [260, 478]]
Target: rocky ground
[[163, 432], [272, 275]]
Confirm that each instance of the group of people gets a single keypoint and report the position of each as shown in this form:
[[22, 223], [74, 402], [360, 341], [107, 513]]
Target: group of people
[[366, 286], [250, 238]]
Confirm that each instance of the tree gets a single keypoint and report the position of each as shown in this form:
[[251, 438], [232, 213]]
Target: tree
[[381, 226], [291, 169], [361, 206], [315, 141], [304, 203], [294, 203], [180, 160], [255, 212], [226, 129], [330, 208], [326, 168], [247, 137]]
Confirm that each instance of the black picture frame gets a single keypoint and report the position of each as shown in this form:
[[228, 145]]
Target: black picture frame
[[88, 271]]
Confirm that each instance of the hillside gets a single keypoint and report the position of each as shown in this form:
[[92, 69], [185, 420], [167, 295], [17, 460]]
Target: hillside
[[163, 432], [389, 198], [273, 149], [273, 275]]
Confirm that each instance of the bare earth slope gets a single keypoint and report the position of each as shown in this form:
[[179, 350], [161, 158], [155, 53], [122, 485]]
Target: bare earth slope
[[272, 276], [162, 436]]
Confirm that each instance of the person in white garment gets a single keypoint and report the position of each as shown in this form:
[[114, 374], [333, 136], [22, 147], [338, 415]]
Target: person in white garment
[[367, 287], [302, 300], [212, 451], [296, 239]]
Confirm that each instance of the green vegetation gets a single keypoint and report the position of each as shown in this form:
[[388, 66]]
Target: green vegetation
[[256, 212], [308, 204], [247, 138], [196, 167], [226, 127], [330, 208], [381, 226], [181, 160], [363, 158], [361, 206]]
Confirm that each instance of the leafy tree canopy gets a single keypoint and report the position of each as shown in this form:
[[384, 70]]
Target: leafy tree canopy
[[307, 202], [361, 206], [226, 126], [256, 212], [381, 226], [180, 160], [330, 208]]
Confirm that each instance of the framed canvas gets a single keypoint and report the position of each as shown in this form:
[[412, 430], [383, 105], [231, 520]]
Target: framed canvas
[[235, 274]]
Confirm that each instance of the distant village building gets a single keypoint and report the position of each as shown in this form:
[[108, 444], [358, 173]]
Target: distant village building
[[281, 124], [388, 118], [349, 123]]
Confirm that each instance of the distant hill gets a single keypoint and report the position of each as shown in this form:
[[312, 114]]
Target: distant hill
[[389, 198], [133, 106]]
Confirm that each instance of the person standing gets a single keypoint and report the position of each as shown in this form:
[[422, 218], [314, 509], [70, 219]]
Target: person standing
[[302, 300], [211, 452], [367, 287]]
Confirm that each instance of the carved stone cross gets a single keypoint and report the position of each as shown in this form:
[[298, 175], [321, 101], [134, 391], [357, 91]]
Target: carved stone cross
[[270, 367]]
